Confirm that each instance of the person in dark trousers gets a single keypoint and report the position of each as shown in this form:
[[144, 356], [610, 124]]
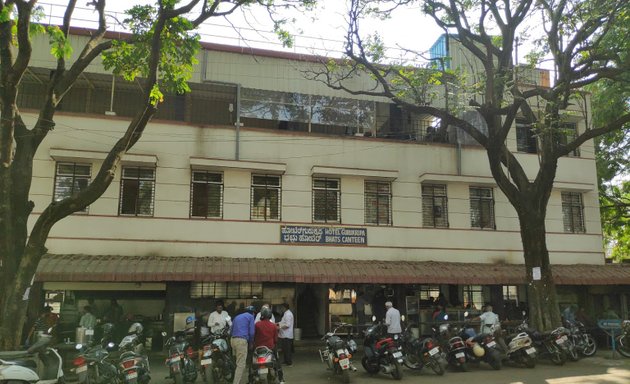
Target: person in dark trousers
[[266, 334], [285, 334]]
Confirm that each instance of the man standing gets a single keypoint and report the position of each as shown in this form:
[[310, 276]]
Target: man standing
[[267, 335], [219, 319], [259, 314], [242, 337], [285, 334], [392, 319], [488, 319], [88, 320]]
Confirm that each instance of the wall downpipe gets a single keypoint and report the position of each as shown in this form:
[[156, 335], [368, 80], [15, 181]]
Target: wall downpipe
[[238, 122]]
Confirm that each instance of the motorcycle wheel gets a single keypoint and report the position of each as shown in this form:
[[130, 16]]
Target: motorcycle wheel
[[529, 362], [437, 366], [590, 346], [623, 345], [463, 366], [411, 361], [369, 368], [558, 358], [571, 352], [345, 376], [262, 379], [178, 378], [397, 372], [495, 360]]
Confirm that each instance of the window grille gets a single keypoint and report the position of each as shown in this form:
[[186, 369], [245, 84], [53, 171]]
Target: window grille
[[482, 208], [525, 138], [230, 290], [573, 212], [434, 206], [510, 293], [137, 190], [378, 203], [567, 132], [473, 296], [326, 200], [266, 197], [206, 194], [427, 292], [70, 179]]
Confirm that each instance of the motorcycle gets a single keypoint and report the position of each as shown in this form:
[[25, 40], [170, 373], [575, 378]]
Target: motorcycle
[[38, 364], [583, 340], [338, 352], [134, 364], [381, 352], [217, 363], [263, 368], [623, 341], [480, 347], [182, 368], [520, 348], [548, 345], [92, 367], [422, 353], [453, 346]]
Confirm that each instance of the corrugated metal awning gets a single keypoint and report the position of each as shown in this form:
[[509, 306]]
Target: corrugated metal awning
[[84, 268]]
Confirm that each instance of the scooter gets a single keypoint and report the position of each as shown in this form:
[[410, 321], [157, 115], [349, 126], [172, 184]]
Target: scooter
[[39, 364], [263, 369]]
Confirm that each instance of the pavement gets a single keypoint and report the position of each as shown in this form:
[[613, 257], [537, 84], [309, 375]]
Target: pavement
[[308, 369]]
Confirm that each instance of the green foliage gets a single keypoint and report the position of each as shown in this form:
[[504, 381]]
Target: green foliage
[[5, 13], [615, 211], [60, 48]]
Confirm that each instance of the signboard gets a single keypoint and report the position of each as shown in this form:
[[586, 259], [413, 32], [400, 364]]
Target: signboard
[[609, 324], [302, 234]]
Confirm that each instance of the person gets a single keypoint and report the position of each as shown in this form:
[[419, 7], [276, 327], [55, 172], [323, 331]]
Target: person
[[488, 319], [46, 320], [583, 317], [96, 311], [441, 300], [392, 319], [266, 334], [569, 314], [259, 314], [114, 313], [219, 319], [360, 307], [88, 320], [285, 334], [243, 331], [439, 314]]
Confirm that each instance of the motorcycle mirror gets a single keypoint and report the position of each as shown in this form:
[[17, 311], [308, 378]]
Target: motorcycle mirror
[[111, 344], [373, 318], [163, 334], [402, 317], [78, 346], [445, 317]]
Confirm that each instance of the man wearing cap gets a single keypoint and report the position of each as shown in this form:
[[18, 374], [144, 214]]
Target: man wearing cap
[[392, 319], [242, 337]]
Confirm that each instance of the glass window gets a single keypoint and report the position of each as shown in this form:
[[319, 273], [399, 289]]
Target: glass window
[[231, 290], [266, 197], [70, 179], [326, 200], [482, 208], [473, 297], [573, 212], [567, 133], [510, 293], [206, 194], [525, 137], [428, 292], [378, 202], [137, 189], [434, 206]]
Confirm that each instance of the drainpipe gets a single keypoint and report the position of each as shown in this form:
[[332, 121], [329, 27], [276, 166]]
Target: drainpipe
[[238, 121]]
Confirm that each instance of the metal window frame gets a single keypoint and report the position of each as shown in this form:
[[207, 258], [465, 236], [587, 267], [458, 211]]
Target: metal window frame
[[326, 190], [138, 178], [433, 197], [573, 207], [483, 199], [377, 194], [221, 184], [266, 188], [469, 290], [74, 177], [208, 289]]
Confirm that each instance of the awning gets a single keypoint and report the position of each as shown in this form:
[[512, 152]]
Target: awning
[[86, 268]]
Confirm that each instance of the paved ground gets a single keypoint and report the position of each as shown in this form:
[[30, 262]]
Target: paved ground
[[307, 369]]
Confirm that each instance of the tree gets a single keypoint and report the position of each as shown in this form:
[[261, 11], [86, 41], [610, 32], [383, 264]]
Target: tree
[[576, 37], [161, 50]]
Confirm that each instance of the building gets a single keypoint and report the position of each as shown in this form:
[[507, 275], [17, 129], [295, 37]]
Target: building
[[263, 186]]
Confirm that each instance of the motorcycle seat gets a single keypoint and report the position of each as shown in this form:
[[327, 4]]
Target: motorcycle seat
[[13, 355], [30, 364]]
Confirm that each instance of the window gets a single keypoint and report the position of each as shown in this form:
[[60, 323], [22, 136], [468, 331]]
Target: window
[[70, 179], [265, 204], [525, 139], [206, 194], [428, 292], [378, 202], [231, 290], [481, 208], [567, 133], [434, 206], [326, 200], [473, 296], [510, 293], [573, 212], [137, 188]]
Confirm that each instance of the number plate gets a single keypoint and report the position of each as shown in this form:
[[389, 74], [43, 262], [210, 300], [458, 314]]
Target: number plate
[[206, 361], [344, 363], [434, 351], [397, 354], [459, 355], [263, 371], [89, 332], [560, 341], [131, 375], [176, 359], [530, 351], [82, 368], [491, 344]]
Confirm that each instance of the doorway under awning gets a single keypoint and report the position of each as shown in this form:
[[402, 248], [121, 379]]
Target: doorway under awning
[[114, 268]]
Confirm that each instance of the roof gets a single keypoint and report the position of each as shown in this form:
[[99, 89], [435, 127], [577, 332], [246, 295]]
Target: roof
[[111, 268]]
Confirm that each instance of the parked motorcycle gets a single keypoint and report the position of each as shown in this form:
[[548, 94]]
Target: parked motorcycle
[[263, 369], [381, 352], [583, 340], [547, 344], [568, 345], [182, 368], [38, 364], [418, 354], [134, 364], [622, 342], [92, 367], [520, 348], [453, 346], [480, 347], [217, 363], [339, 351]]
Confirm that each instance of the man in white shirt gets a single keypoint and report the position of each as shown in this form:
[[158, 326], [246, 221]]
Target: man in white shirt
[[488, 319], [219, 319], [266, 305], [392, 319], [285, 335]]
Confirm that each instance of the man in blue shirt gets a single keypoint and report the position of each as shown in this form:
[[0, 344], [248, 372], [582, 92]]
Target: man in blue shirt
[[242, 337]]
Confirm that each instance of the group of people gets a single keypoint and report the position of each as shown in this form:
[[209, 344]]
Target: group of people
[[250, 330]]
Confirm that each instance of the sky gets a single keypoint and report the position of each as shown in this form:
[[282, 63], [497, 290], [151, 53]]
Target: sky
[[317, 32]]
